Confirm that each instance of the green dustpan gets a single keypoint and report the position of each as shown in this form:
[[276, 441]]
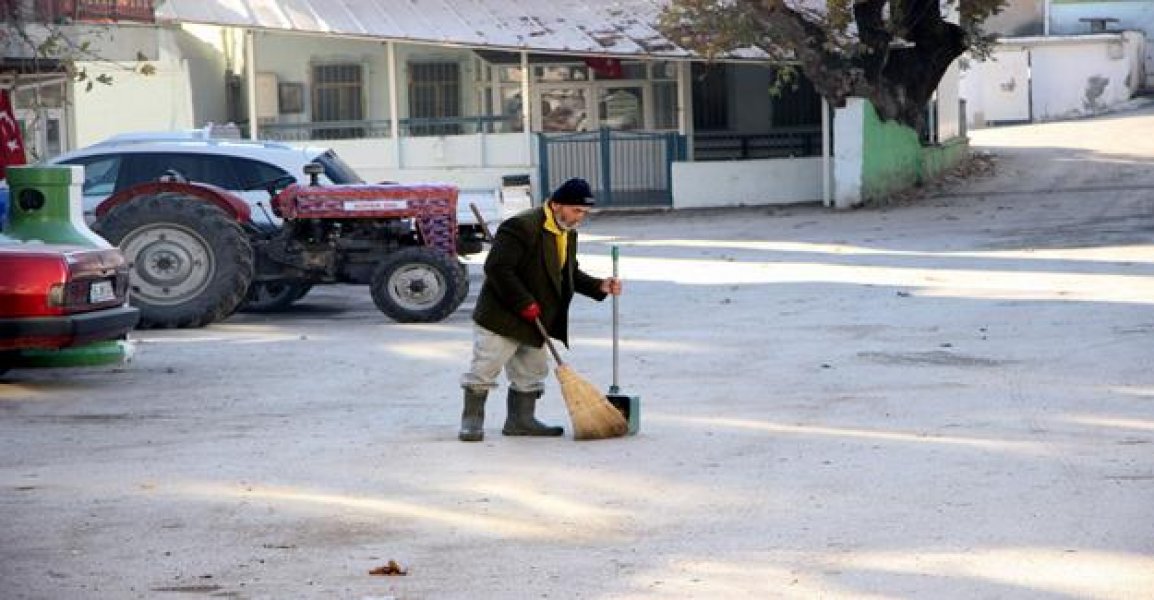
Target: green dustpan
[[630, 406]]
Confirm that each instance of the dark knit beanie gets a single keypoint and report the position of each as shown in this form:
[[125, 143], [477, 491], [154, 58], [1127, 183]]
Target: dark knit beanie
[[575, 192]]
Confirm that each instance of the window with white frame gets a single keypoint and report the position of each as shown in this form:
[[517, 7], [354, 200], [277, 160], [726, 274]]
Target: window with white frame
[[583, 94]]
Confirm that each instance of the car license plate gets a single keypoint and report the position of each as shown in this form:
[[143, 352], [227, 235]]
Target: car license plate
[[101, 291]]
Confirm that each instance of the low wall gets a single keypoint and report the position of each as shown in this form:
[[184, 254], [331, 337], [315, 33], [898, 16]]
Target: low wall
[[940, 159], [746, 183]]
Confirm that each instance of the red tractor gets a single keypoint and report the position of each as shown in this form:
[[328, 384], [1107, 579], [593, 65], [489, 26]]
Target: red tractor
[[197, 254]]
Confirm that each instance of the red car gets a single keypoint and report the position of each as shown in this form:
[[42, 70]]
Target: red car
[[59, 296]]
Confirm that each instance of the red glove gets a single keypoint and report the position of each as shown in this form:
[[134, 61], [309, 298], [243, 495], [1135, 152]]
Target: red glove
[[531, 313]]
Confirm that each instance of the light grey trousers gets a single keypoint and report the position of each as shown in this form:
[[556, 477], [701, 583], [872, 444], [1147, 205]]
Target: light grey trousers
[[526, 367]]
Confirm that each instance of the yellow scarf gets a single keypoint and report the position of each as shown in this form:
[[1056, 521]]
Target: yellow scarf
[[561, 236]]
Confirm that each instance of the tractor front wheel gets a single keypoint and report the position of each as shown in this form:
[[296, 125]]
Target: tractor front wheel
[[419, 285]]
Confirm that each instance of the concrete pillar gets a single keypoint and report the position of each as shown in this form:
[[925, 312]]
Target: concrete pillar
[[848, 156]]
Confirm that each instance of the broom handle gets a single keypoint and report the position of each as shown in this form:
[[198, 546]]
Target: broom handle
[[613, 388], [485, 233], [548, 342]]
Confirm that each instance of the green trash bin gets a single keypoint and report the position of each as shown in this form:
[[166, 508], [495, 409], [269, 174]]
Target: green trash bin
[[45, 204]]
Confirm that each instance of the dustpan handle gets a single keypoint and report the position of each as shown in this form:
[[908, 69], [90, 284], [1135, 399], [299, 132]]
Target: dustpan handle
[[613, 388], [548, 342]]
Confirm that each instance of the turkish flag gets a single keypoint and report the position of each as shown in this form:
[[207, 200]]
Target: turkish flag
[[605, 68], [11, 145]]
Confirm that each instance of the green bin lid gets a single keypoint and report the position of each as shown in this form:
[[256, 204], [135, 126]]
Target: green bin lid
[[21, 176]]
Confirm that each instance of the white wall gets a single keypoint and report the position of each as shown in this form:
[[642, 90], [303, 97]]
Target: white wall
[[469, 161], [949, 107], [998, 90], [1132, 15], [134, 102], [186, 91], [1066, 76], [290, 57], [1094, 76], [207, 53], [746, 183]]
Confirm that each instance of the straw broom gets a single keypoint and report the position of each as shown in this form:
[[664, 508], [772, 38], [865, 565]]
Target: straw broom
[[593, 416]]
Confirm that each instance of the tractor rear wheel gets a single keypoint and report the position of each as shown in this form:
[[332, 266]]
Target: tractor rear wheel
[[418, 285], [191, 264]]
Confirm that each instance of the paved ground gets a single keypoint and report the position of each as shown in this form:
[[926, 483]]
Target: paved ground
[[951, 397]]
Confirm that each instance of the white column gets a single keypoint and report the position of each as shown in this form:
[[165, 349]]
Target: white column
[[526, 106], [849, 131], [394, 110], [685, 105], [826, 158], [250, 80]]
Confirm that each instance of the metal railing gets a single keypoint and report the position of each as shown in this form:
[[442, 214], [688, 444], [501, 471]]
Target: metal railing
[[342, 130], [57, 11], [741, 146]]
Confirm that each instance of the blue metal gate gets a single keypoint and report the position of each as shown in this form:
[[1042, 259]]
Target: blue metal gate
[[625, 168]]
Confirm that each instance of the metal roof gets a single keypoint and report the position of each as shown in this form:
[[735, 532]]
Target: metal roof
[[603, 27]]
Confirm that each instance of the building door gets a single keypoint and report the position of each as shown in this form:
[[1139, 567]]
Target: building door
[[1006, 87]]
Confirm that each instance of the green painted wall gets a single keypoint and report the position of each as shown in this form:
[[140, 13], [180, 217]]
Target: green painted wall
[[891, 156], [937, 160], [894, 160]]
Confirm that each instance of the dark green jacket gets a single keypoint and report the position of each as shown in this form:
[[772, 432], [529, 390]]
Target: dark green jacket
[[522, 267]]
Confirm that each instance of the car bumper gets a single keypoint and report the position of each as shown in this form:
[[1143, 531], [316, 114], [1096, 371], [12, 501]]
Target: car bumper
[[69, 330]]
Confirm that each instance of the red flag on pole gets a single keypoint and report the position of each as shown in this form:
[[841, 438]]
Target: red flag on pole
[[605, 68], [11, 145]]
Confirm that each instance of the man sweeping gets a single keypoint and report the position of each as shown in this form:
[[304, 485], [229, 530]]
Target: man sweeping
[[531, 273]]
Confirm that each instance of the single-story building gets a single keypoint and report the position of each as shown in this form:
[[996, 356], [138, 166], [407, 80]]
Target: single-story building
[[473, 93]]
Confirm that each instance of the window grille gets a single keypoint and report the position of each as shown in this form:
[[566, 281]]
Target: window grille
[[338, 95], [434, 93]]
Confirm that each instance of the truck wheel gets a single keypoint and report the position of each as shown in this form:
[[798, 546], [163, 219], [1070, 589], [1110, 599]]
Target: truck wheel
[[418, 285], [273, 296], [190, 263]]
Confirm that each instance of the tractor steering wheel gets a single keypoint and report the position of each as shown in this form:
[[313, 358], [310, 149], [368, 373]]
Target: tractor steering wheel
[[273, 186]]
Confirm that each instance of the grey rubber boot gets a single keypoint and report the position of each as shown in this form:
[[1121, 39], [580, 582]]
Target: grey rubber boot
[[473, 417], [520, 419]]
